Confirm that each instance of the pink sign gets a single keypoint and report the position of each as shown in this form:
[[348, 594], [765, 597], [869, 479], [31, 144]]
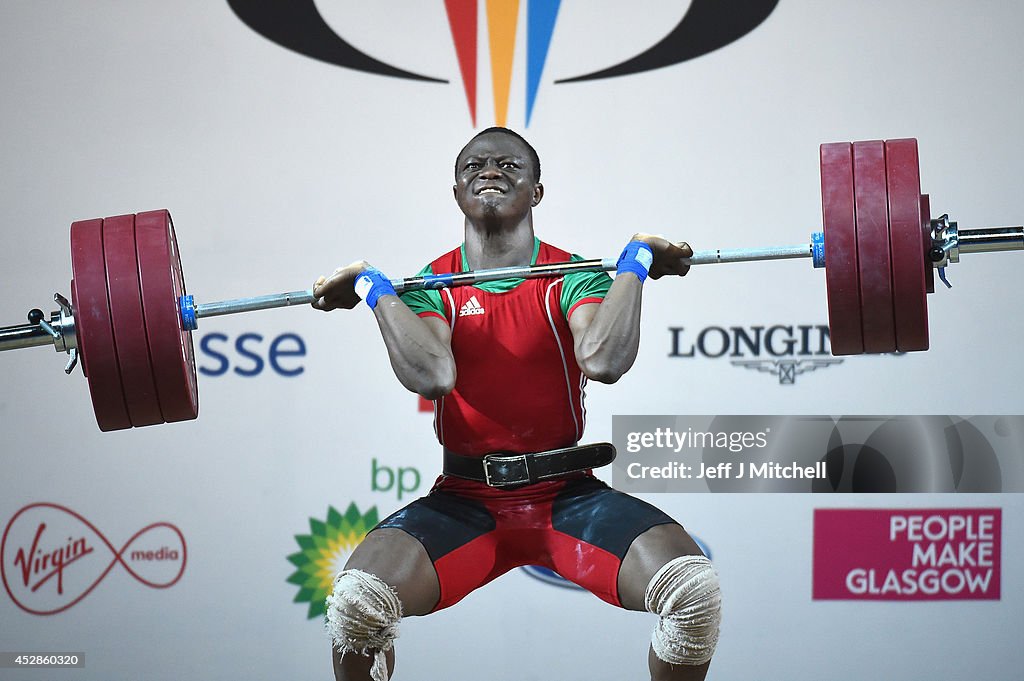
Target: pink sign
[[925, 554]]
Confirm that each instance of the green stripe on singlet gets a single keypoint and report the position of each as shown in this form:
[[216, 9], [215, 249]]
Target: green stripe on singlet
[[575, 287]]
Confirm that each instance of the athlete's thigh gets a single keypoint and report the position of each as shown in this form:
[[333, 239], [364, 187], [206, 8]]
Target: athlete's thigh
[[648, 553], [603, 525], [400, 561]]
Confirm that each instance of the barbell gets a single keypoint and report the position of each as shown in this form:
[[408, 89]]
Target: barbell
[[130, 319]]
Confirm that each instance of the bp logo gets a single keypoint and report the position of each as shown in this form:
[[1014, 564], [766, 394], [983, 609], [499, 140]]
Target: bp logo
[[323, 553]]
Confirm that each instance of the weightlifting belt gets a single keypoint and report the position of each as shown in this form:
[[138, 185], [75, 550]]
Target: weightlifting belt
[[512, 470]]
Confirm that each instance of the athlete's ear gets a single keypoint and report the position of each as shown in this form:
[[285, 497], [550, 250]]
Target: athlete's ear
[[455, 191], [538, 193]]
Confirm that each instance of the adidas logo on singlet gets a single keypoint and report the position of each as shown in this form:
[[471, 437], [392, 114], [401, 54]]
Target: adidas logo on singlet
[[471, 307]]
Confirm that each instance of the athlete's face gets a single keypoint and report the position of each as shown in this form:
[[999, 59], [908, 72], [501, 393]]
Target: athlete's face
[[494, 179]]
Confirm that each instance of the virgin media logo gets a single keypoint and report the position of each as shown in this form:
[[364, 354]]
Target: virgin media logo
[[51, 557]]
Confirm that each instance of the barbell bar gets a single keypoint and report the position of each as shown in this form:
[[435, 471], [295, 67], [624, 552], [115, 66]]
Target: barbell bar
[[192, 312], [130, 318]]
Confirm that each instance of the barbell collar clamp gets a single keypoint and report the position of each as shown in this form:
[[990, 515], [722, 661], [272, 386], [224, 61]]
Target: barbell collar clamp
[[187, 309], [58, 331], [953, 241]]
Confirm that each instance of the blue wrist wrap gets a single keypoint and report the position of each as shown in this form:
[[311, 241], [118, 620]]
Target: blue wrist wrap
[[371, 284], [636, 257]]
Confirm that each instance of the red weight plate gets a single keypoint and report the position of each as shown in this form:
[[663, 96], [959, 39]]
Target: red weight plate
[[926, 228], [840, 226], [170, 346], [873, 262], [122, 267], [908, 256], [93, 325]]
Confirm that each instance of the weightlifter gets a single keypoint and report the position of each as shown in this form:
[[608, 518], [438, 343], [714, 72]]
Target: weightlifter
[[505, 364]]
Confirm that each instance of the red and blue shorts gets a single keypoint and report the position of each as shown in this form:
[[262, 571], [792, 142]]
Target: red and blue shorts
[[579, 528]]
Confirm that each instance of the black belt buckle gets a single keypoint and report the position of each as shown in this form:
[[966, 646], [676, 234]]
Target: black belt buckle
[[508, 470]]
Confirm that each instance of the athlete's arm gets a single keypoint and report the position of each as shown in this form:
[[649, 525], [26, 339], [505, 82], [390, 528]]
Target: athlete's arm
[[419, 347], [606, 335]]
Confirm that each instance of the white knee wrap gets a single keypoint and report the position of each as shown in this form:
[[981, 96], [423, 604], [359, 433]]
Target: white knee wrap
[[685, 594], [362, 617]]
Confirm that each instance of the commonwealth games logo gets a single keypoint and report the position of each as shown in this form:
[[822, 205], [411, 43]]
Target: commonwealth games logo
[[297, 25], [323, 553]]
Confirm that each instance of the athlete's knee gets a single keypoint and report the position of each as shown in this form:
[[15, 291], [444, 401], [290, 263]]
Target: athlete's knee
[[685, 594], [362, 617]]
